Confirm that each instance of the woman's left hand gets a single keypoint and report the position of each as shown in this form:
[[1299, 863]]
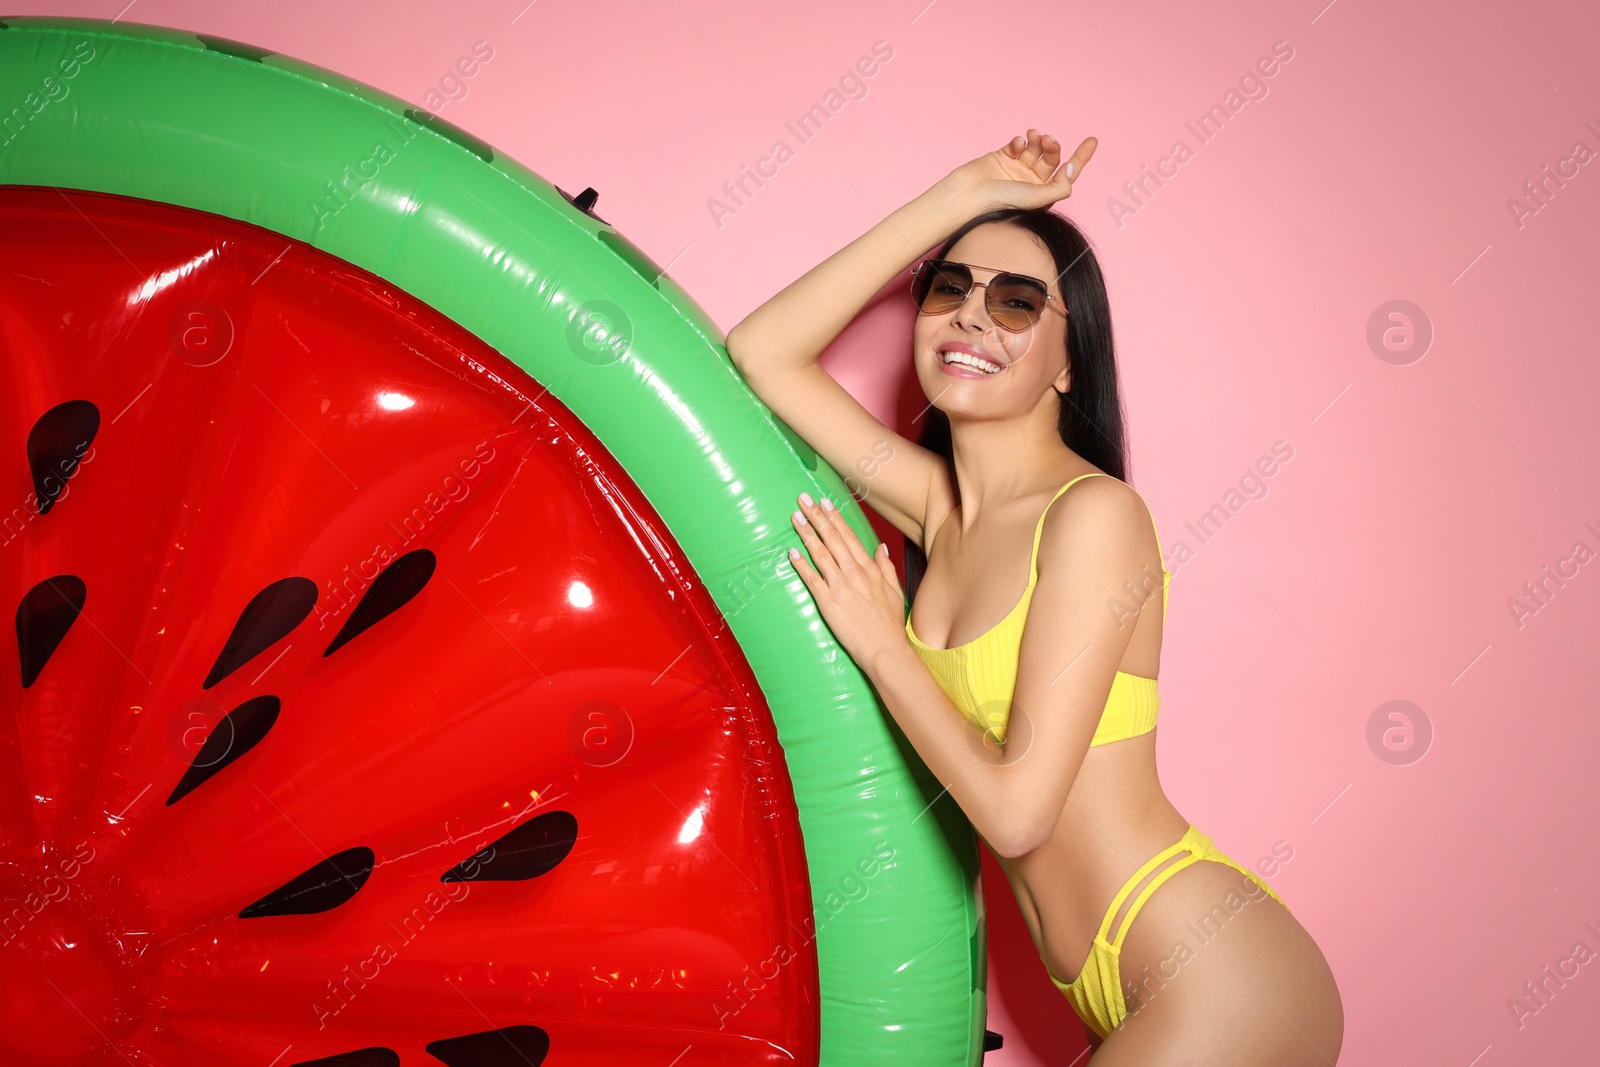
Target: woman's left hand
[[857, 592]]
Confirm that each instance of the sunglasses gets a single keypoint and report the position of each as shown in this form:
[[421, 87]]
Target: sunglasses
[[1014, 301]]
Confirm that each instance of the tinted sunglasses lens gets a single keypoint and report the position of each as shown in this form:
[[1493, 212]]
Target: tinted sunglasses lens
[[942, 286], [1015, 302]]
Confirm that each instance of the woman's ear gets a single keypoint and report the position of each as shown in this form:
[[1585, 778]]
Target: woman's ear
[[1063, 382]]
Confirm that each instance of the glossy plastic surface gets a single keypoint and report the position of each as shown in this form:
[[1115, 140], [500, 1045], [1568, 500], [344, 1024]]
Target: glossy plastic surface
[[438, 214], [393, 623]]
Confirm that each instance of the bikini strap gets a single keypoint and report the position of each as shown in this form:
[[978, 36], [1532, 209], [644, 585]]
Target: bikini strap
[[1166, 576], [1192, 842], [1038, 530], [1039, 527]]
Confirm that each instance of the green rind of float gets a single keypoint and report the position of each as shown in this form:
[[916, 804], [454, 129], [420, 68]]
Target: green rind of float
[[157, 114]]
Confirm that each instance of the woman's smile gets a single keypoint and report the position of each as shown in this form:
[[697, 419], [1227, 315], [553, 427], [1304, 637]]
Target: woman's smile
[[961, 360]]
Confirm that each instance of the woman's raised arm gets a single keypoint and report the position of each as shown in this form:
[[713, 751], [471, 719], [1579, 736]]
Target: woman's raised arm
[[777, 345]]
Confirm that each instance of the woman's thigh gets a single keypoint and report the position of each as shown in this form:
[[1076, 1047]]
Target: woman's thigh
[[1222, 974]]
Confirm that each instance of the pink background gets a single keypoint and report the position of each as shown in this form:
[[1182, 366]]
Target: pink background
[[1419, 498]]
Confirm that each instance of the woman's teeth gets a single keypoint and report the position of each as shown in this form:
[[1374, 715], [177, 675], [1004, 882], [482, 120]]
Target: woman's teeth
[[970, 361]]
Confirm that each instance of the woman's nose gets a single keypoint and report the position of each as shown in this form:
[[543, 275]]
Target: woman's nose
[[973, 311]]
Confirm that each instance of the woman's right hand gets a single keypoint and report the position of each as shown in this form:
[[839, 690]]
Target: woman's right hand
[[1026, 172]]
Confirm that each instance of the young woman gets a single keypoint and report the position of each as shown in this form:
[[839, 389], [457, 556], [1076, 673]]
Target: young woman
[[1036, 709]]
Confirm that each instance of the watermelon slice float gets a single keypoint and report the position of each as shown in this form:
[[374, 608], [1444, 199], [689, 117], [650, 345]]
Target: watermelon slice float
[[404, 667], [324, 600]]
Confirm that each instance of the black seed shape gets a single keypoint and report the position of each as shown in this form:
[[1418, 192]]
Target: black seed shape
[[270, 615], [993, 1040], [377, 1056], [528, 851], [237, 733], [450, 130], [234, 48], [509, 1046], [321, 888], [388, 593], [55, 445], [46, 613]]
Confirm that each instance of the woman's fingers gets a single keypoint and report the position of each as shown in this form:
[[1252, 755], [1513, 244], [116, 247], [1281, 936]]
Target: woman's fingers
[[1041, 154], [821, 557], [1050, 160], [1081, 157], [846, 564], [1060, 184], [835, 547], [886, 565], [802, 567], [1030, 155], [830, 522]]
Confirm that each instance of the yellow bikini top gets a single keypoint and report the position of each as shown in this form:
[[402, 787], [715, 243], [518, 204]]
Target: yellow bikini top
[[980, 675]]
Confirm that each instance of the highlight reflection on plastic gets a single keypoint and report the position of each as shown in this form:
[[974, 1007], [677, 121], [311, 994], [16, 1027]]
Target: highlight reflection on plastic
[[360, 706]]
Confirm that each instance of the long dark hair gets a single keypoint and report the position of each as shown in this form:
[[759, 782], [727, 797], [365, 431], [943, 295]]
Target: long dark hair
[[1090, 422]]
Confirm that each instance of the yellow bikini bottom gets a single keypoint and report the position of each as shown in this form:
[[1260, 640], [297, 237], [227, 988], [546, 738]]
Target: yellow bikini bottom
[[1096, 994]]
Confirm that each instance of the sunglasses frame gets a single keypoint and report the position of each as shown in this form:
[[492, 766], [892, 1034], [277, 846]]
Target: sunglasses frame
[[916, 272]]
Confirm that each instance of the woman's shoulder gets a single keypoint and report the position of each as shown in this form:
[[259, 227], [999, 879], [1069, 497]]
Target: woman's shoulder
[[1100, 516], [1097, 493]]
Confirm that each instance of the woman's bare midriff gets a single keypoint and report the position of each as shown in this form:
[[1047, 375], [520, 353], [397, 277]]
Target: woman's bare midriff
[[1116, 817]]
